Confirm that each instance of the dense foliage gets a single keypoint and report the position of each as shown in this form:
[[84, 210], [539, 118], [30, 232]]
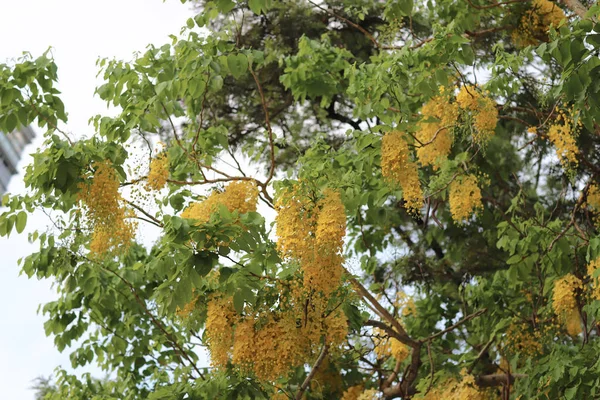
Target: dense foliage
[[352, 200]]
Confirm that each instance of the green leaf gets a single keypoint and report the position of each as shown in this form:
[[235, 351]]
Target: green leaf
[[11, 122], [203, 262], [238, 301], [238, 64], [256, 6], [225, 6], [406, 6], [21, 221]]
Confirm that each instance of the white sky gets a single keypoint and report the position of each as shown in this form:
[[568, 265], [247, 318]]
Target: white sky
[[79, 32]]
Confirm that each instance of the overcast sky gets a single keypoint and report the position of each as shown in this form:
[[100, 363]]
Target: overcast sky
[[79, 32]]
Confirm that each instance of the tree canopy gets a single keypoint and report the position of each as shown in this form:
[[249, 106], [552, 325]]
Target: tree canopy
[[351, 199]]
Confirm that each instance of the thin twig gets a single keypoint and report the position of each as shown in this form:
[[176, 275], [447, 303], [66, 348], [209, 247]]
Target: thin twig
[[269, 129], [154, 320], [456, 325]]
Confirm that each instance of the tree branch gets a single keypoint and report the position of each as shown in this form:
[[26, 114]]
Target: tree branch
[[456, 325], [269, 129], [312, 373]]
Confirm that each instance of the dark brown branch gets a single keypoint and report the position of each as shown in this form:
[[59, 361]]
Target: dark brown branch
[[269, 129], [456, 325], [312, 373], [383, 313], [577, 8], [497, 379]]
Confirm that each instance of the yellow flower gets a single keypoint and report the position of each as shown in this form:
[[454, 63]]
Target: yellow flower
[[535, 23], [464, 198], [563, 296], [484, 112], [353, 392], [220, 317], [112, 232], [434, 130], [397, 168], [371, 394], [159, 172], [591, 268], [562, 138], [240, 196]]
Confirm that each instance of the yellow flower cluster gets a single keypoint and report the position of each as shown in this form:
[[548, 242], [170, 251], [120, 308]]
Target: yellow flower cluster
[[483, 110], [272, 350], [439, 116], [159, 172], [398, 168], [564, 302], [270, 344], [323, 269], [453, 389], [405, 303], [386, 346], [593, 201], [593, 197], [520, 340], [595, 286], [563, 296], [353, 392], [240, 196], [535, 23], [573, 323], [296, 219], [370, 394], [314, 235], [112, 234], [220, 317], [563, 139], [464, 198]]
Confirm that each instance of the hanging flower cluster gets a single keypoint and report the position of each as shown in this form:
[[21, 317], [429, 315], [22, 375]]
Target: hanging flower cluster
[[240, 196], [439, 115], [464, 198], [159, 172], [535, 23], [112, 231], [564, 302], [398, 169], [482, 109]]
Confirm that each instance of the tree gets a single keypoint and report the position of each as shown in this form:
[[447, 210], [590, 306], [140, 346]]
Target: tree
[[431, 171]]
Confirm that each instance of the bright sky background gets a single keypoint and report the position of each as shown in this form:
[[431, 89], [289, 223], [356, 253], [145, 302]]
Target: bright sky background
[[79, 32]]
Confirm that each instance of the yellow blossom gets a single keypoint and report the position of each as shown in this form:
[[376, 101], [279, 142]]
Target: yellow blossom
[[159, 172], [353, 392], [484, 112], [562, 137], [240, 196], [595, 286], [535, 24], [397, 168], [563, 295], [439, 115], [220, 316], [113, 229], [464, 198], [371, 394]]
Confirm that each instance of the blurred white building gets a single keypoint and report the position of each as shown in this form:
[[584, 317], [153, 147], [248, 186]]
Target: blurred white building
[[11, 149]]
